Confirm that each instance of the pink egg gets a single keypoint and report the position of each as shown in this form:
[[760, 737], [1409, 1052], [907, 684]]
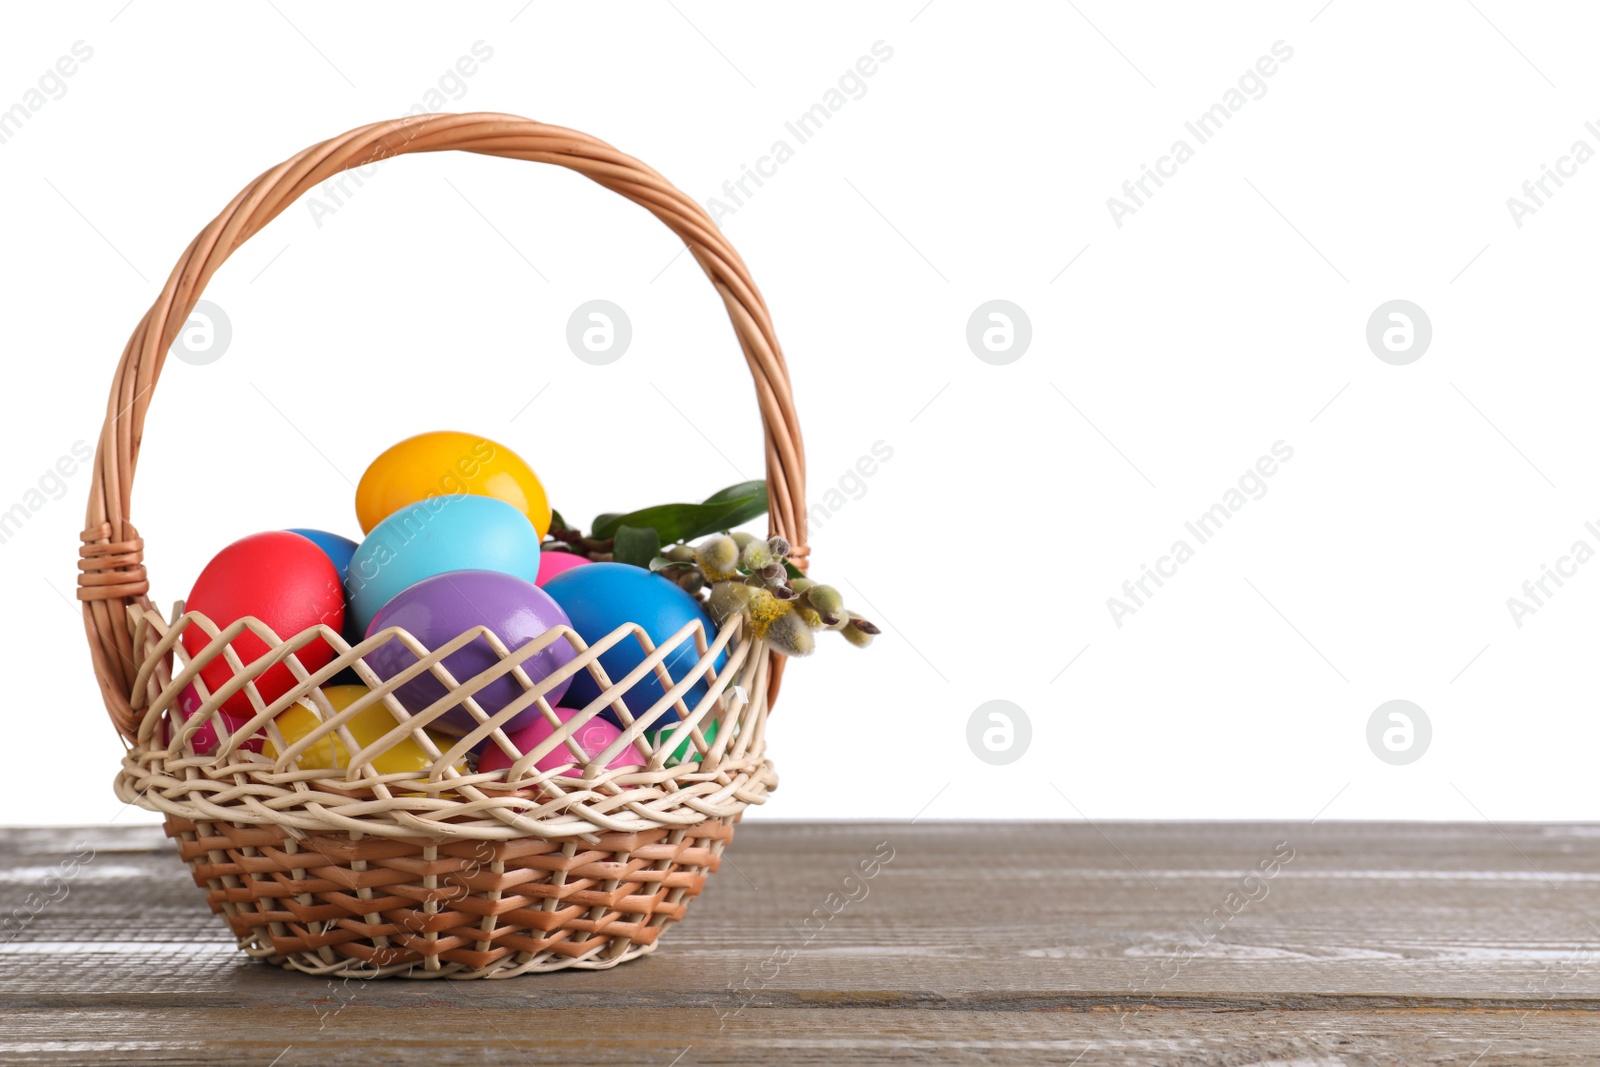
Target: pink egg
[[594, 737], [553, 563], [205, 740]]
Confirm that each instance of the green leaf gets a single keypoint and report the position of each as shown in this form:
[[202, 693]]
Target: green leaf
[[794, 572], [669, 520], [609, 520], [747, 500], [636, 546], [557, 522], [685, 522], [737, 492]]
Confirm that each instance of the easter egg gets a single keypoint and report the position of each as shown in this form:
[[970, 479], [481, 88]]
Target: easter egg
[[338, 549], [446, 463], [593, 737], [554, 563], [205, 740], [441, 608], [603, 596], [459, 532], [406, 756], [683, 751], [286, 582]]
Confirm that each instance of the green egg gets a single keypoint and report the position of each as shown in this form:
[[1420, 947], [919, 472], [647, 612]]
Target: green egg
[[655, 737]]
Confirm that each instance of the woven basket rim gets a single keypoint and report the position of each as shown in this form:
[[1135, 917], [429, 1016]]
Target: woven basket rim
[[719, 780]]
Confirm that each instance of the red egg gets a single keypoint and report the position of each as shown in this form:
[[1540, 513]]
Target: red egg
[[283, 580]]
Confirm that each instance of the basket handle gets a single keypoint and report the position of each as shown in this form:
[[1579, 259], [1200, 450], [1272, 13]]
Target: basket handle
[[111, 560]]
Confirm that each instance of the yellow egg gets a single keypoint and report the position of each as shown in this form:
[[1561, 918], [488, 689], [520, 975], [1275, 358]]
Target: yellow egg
[[445, 462], [329, 752]]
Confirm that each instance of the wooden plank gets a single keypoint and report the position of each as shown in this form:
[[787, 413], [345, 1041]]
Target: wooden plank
[[451, 1032], [1026, 942]]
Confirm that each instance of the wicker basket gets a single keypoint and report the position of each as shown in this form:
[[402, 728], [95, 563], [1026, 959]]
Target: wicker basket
[[459, 875]]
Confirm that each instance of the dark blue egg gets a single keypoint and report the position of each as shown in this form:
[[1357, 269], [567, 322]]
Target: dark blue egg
[[339, 549], [603, 596]]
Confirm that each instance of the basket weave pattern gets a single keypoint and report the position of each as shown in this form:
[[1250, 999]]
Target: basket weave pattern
[[337, 905], [447, 872]]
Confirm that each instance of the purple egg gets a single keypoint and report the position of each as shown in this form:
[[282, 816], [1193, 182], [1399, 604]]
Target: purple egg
[[439, 609]]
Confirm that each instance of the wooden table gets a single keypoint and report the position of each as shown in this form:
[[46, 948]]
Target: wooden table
[[1132, 943]]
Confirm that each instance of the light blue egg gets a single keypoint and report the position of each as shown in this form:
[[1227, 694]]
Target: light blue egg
[[457, 532]]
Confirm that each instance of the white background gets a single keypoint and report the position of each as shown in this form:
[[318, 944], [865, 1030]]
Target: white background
[[1227, 314]]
